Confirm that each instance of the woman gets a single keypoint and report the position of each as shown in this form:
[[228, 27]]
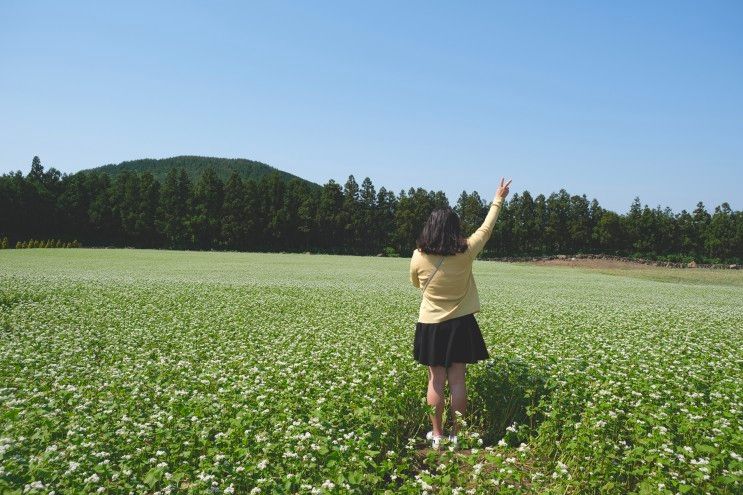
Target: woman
[[447, 336]]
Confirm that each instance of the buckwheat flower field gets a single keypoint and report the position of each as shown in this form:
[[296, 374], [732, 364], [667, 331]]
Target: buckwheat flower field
[[138, 371]]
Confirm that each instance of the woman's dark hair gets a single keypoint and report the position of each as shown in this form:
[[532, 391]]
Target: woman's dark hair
[[442, 234]]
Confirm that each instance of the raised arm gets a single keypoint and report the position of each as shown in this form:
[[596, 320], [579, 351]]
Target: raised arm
[[479, 238]]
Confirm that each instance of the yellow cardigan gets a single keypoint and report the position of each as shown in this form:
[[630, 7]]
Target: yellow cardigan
[[452, 291]]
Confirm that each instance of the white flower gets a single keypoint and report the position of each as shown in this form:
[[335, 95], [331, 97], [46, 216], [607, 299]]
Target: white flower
[[92, 478], [36, 485]]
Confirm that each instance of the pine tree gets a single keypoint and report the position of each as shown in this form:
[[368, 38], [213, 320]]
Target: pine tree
[[579, 224], [174, 211], [149, 202], [595, 214], [37, 171], [306, 218], [609, 233], [254, 220], [369, 236], [329, 227], [350, 215], [296, 191], [126, 207], [207, 210], [556, 232], [721, 231], [701, 220], [234, 224], [271, 190], [540, 223], [471, 210]]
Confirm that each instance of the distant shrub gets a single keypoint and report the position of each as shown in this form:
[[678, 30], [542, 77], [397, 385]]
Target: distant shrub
[[676, 258], [390, 252], [37, 243]]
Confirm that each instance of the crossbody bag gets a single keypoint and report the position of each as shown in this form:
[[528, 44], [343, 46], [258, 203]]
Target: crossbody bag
[[434, 273]]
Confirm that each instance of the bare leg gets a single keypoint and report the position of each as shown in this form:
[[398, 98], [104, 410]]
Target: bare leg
[[436, 382], [455, 374]]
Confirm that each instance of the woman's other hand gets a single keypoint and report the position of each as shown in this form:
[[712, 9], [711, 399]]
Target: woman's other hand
[[502, 191]]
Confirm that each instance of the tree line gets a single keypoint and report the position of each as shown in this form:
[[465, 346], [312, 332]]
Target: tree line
[[273, 214]]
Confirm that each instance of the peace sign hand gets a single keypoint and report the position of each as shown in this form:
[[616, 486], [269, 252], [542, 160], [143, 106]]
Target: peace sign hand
[[502, 191]]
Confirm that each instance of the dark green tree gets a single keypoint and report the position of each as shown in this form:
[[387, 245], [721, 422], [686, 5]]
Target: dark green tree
[[351, 215], [174, 211], [271, 189], [720, 241], [609, 234], [206, 219], [329, 223], [234, 222]]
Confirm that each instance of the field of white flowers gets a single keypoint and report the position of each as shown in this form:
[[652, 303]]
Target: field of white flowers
[[127, 371]]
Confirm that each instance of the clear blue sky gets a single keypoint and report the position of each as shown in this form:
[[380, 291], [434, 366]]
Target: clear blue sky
[[611, 99]]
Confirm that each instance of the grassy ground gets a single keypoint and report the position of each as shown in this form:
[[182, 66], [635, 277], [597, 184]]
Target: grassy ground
[[147, 371]]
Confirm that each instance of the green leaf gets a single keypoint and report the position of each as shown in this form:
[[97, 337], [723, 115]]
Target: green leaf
[[707, 449], [153, 476]]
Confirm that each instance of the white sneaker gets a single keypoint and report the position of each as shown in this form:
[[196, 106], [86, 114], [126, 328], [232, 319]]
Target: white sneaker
[[435, 440], [453, 439]]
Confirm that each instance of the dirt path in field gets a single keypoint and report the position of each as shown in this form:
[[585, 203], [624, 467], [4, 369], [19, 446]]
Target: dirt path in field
[[593, 263], [645, 271]]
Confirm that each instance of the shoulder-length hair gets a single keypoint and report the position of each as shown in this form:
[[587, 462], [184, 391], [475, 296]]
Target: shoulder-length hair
[[442, 234]]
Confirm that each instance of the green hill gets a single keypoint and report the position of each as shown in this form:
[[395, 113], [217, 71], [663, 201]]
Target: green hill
[[194, 165]]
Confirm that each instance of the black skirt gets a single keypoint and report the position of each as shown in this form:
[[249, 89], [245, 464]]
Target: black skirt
[[458, 340]]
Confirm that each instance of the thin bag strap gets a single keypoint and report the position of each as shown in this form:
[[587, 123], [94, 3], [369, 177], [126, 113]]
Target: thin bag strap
[[434, 273]]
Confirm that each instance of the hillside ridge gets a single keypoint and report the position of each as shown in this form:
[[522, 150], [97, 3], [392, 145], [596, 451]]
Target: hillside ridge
[[194, 165]]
